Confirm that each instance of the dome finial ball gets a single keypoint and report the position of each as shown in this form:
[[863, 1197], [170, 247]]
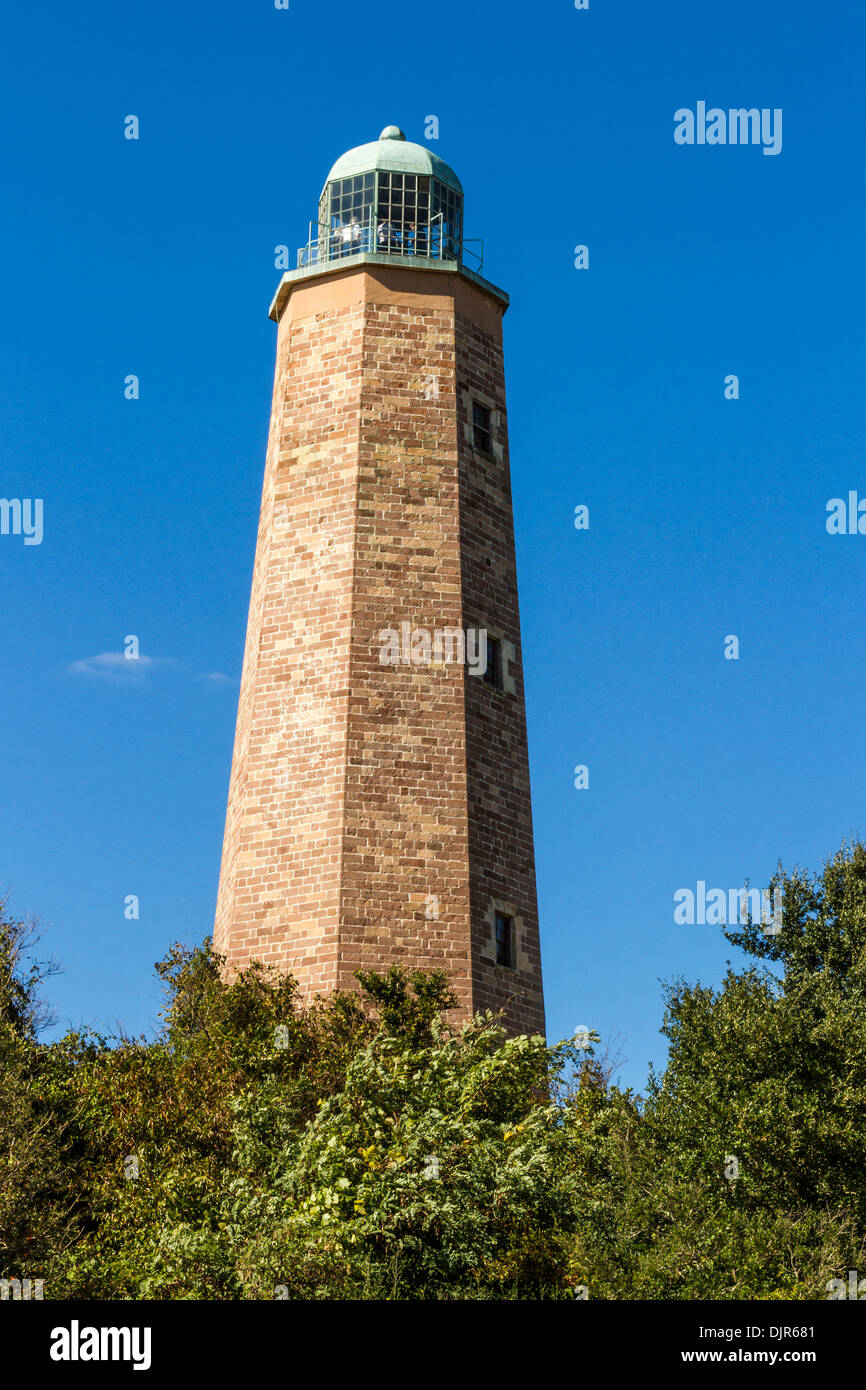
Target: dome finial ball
[[392, 132]]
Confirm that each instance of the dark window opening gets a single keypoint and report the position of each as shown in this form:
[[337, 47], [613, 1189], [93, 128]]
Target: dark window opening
[[504, 940], [481, 427], [493, 669]]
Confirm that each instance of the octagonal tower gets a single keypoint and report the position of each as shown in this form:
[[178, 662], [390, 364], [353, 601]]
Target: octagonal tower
[[379, 805]]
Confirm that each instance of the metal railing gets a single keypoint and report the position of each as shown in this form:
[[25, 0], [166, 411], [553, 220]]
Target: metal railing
[[424, 241]]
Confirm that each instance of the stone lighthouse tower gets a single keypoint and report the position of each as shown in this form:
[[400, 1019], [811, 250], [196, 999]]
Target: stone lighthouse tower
[[379, 807]]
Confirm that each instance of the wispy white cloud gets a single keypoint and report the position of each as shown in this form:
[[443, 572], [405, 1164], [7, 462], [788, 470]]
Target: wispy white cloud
[[116, 666], [217, 678]]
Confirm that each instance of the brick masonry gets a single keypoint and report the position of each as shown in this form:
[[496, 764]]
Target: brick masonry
[[380, 814]]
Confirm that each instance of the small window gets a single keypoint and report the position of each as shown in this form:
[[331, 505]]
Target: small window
[[481, 427], [504, 940], [493, 669]]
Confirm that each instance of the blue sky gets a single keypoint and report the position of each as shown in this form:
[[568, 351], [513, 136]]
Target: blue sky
[[707, 516]]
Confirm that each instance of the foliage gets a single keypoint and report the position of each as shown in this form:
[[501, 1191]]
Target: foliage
[[361, 1147]]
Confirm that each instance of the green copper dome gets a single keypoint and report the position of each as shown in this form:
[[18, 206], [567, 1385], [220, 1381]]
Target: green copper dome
[[393, 152]]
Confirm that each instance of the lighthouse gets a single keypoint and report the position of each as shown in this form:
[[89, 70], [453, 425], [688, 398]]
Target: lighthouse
[[379, 804]]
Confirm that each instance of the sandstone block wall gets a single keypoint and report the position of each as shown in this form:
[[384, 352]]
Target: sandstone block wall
[[377, 813]]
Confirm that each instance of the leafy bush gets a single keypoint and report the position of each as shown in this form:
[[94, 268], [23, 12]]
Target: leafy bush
[[362, 1148]]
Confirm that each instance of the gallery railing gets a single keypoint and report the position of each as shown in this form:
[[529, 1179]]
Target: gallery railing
[[426, 241]]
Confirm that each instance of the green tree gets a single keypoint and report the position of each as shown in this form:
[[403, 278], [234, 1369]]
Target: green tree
[[361, 1147], [740, 1176], [439, 1170], [35, 1211]]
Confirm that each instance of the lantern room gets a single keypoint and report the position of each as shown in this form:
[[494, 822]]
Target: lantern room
[[389, 198]]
